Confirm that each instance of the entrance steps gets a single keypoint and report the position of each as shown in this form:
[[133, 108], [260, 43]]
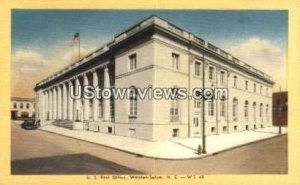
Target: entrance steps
[[68, 124]]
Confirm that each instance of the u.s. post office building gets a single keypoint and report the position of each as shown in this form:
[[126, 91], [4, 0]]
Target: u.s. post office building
[[158, 53]]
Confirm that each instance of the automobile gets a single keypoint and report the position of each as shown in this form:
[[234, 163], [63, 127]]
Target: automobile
[[29, 125]]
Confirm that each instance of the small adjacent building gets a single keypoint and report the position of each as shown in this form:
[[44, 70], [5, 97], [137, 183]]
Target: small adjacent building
[[22, 108], [280, 108]]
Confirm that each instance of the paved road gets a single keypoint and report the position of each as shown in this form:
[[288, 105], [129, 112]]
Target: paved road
[[36, 151]]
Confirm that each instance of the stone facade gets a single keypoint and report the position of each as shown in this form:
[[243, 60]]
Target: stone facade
[[165, 56], [22, 108]]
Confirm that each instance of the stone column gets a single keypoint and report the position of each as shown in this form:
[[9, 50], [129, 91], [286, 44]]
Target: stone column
[[46, 104], [106, 102], [86, 101], [41, 105], [95, 100], [64, 101], [77, 101], [54, 103], [59, 111], [50, 104], [70, 103]]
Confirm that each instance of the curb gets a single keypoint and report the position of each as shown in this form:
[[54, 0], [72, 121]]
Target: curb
[[162, 158]]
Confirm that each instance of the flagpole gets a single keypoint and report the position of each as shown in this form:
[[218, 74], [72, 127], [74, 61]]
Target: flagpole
[[78, 45]]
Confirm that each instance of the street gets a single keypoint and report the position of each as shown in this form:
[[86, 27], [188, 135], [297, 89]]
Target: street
[[40, 152]]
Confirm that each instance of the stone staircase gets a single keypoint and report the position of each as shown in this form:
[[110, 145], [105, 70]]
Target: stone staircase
[[68, 124]]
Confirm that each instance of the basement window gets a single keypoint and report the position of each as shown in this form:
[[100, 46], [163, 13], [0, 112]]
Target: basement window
[[224, 129], [110, 130], [235, 128], [213, 129], [175, 132]]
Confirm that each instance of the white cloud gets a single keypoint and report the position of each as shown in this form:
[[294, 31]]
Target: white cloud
[[29, 67], [264, 55]]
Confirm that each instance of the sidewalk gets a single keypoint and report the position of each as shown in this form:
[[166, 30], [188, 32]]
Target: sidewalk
[[172, 149]]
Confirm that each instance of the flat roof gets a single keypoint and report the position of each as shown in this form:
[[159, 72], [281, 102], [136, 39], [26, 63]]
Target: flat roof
[[22, 99]]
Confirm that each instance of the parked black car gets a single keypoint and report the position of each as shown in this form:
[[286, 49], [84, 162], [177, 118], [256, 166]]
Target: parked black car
[[29, 125]]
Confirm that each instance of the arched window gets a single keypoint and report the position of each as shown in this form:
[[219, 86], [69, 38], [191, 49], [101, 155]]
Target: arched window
[[254, 111], [261, 111], [235, 109], [21, 106], [132, 102], [27, 106], [246, 109], [267, 112], [15, 105]]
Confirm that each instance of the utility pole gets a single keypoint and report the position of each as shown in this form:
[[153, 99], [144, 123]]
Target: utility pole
[[203, 109]]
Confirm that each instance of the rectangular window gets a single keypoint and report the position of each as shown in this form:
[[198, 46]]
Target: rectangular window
[[15, 105], [210, 108], [222, 109], [211, 73], [21, 106], [132, 61], [196, 121], [197, 69], [254, 87], [175, 61], [197, 104], [235, 81], [222, 77], [27, 105], [260, 89], [254, 113], [246, 85], [24, 114]]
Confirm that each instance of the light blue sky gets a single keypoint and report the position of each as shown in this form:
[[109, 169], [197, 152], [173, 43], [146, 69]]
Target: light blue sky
[[41, 38], [50, 30]]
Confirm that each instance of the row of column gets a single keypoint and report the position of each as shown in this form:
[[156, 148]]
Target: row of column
[[58, 103]]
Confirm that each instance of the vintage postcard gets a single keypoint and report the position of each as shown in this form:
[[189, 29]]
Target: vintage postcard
[[149, 93]]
